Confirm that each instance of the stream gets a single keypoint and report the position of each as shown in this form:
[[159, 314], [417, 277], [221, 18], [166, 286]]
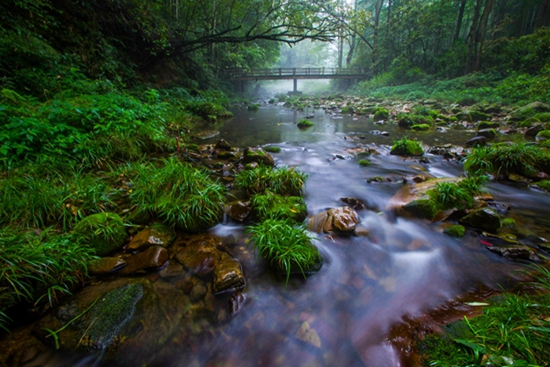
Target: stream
[[397, 270]]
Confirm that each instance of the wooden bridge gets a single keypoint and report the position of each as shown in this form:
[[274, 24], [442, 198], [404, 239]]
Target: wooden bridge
[[295, 74]]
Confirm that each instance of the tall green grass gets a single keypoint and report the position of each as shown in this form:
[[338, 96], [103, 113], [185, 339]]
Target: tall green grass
[[38, 267], [281, 181], [185, 197]]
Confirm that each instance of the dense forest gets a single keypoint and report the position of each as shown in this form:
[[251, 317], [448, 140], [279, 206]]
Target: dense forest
[[90, 90]]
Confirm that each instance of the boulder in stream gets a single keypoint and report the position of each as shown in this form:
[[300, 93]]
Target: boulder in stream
[[337, 220], [258, 155], [483, 218], [156, 235]]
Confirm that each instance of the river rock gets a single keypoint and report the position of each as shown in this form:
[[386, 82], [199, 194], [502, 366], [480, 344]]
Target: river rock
[[534, 130], [477, 141], [238, 210], [227, 275], [519, 252], [104, 232], [413, 200], [153, 258], [223, 145], [308, 335], [199, 255], [339, 220], [205, 135], [484, 218], [258, 155], [106, 265], [117, 317], [488, 133], [156, 235]]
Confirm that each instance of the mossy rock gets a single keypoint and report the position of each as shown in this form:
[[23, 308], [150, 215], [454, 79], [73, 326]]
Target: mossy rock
[[420, 127], [104, 232], [253, 107], [483, 218], [363, 162], [406, 147], [456, 231], [478, 116], [304, 124], [421, 208], [259, 156], [543, 135], [488, 133], [272, 149], [488, 125]]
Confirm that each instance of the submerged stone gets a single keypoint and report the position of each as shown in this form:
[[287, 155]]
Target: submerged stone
[[484, 218], [156, 235], [308, 335]]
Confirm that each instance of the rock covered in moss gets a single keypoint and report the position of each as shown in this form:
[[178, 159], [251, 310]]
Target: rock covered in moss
[[258, 155], [456, 231], [488, 133], [484, 218], [104, 232]]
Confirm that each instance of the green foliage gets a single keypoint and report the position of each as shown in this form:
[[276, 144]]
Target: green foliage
[[286, 246], [88, 129], [544, 184], [513, 330], [253, 107], [281, 181], [304, 124], [40, 195], [420, 127], [39, 266], [181, 195], [504, 159], [407, 147], [272, 206]]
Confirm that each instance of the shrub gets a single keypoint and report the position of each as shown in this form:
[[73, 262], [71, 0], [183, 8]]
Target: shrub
[[407, 148], [380, 113], [181, 195], [287, 247]]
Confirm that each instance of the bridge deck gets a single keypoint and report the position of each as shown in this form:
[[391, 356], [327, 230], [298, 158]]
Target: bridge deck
[[296, 73]]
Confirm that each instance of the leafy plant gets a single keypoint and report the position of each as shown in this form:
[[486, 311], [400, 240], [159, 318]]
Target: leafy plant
[[287, 247], [459, 194], [273, 206]]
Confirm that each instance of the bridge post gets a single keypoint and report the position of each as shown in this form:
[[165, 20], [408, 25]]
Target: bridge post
[[295, 85]]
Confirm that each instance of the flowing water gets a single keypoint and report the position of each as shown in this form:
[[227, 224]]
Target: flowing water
[[368, 284]]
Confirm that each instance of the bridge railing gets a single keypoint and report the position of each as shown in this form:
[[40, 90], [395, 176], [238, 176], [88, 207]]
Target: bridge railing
[[236, 73]]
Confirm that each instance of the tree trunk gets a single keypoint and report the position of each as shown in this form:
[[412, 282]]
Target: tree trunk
[[471, 39], [480, 34], [377, 9], [459, 20]]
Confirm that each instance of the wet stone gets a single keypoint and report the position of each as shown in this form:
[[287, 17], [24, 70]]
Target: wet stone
[[483, 218], [258, 155], [238, 210], [223, 145], [236, 302], [227, 275], [152, 258], [106, 265], [201, 257], [156, 235], [516, 252]]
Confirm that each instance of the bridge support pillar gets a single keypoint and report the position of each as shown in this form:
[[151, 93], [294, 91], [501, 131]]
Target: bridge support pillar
[[295, 85]]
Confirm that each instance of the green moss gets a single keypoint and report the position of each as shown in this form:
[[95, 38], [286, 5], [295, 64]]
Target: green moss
[[422, 208], [487, 125], [528, 122], [406, 147], [420, 127], [253, 107], [542, 116], [272, 149], [543, 135], [478, 116], [456, 231], [508, 222], [363, 162], [544, 184], [104, 232], [304, 124], [347, 110]]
